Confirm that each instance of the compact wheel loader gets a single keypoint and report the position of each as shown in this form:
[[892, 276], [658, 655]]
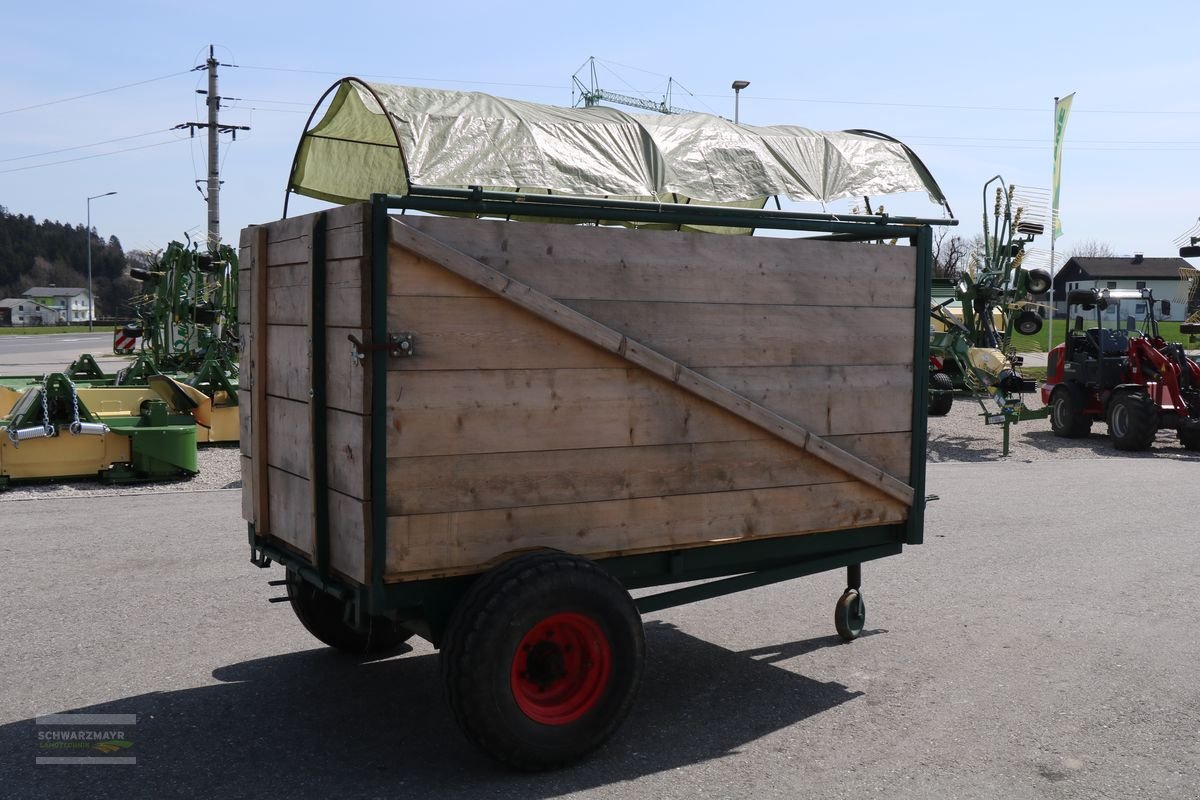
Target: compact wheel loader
[[1130, 377]]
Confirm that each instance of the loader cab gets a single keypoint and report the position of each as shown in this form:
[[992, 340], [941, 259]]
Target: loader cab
[[1101, 323]]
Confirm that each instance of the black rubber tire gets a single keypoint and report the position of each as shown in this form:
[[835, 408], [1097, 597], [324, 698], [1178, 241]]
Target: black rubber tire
[[941, 394], [1038, 281], [850, 615], [1132, 421], [480, 651], [324, 617], [1189, 438], [1067, 419], [1027, 323]]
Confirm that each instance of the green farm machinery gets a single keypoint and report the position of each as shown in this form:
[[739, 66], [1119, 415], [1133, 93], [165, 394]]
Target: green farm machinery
[[970, 344], [51, 433], [144, 421]]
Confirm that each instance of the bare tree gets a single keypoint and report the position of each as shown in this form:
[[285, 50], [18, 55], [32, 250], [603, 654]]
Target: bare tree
[[1091, 248], [950, 254]]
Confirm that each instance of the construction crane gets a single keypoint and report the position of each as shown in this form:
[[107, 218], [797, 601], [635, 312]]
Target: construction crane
[[592, 95]]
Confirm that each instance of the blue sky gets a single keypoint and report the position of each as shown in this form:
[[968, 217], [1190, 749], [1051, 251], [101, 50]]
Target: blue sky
[[970, 87]]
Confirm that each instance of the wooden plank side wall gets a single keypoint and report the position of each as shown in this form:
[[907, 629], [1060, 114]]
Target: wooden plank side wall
[[506, 432], [429, 545], [475, 331], [447, 484], [246, 368], [278, 453], [465, 327], [562, 261], [485, 411]]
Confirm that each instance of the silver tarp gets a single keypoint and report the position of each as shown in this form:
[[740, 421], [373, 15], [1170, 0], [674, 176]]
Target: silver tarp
[[382, 138]]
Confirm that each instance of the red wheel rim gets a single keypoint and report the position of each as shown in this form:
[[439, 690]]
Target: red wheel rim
[[561, 669]]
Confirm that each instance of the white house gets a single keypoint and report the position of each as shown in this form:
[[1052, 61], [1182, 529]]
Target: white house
[[72, 304], [23, 312], [1162, 275]]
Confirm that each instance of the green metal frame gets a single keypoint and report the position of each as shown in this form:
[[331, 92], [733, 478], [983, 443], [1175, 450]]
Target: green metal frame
[[317, 401], [217, 373], [162, 446], [427, 604], [737, 566], [85, 367], [923, 242], [379, 333]]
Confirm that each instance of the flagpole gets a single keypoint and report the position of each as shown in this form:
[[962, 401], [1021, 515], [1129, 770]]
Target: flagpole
[[1053, 228], [1062, 109]]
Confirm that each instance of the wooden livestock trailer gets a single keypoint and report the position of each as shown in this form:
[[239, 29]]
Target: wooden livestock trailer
[[486, 432]]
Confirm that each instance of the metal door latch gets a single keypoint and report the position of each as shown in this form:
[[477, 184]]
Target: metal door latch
[[398, 345]]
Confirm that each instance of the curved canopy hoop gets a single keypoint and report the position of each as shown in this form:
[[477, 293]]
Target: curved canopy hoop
[[352, 140]]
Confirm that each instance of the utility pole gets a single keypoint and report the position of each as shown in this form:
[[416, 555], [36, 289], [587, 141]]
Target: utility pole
[[214, 163], [215, 129]]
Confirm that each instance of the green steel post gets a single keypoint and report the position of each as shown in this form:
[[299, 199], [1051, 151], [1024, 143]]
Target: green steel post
[[378, 405], [511, 204], [752, 580], [923, 242], [318, 410]]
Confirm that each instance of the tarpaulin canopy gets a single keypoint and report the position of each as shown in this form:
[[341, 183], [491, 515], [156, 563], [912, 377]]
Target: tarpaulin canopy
[[381, 138]]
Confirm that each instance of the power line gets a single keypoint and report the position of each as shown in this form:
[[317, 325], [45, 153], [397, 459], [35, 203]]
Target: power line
[[943, 106], [93, 94], [95, 155], [83, 146], [1073, 141], [946, 107], [272, 110], [405, 77], [276, 102], [915, 141], [1047, 109]]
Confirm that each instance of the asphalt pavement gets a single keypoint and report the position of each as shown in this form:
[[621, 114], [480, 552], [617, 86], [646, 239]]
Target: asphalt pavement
[[34, 354], [1040, 644]]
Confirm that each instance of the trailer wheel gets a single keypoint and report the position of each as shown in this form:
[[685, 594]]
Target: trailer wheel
[[325, 618], [941, 394], [850, 615], [1067, 419], [1190, 438], [541, 660], [1132, 421]]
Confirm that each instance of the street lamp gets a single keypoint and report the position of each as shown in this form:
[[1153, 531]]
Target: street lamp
[[737, 91], [91, 298]]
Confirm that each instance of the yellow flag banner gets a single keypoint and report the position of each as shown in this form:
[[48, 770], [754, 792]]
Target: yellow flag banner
[[1061, 109]]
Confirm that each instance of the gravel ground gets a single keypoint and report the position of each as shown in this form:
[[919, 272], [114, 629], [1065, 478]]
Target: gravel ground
[[961, 435], [220, 468]]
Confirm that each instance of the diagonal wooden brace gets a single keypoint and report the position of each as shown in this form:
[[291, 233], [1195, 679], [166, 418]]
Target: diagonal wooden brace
[[585, 327]]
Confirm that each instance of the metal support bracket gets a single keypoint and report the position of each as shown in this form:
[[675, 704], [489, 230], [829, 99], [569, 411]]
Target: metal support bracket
[[398, 345], [259, 558], [258, 553]]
